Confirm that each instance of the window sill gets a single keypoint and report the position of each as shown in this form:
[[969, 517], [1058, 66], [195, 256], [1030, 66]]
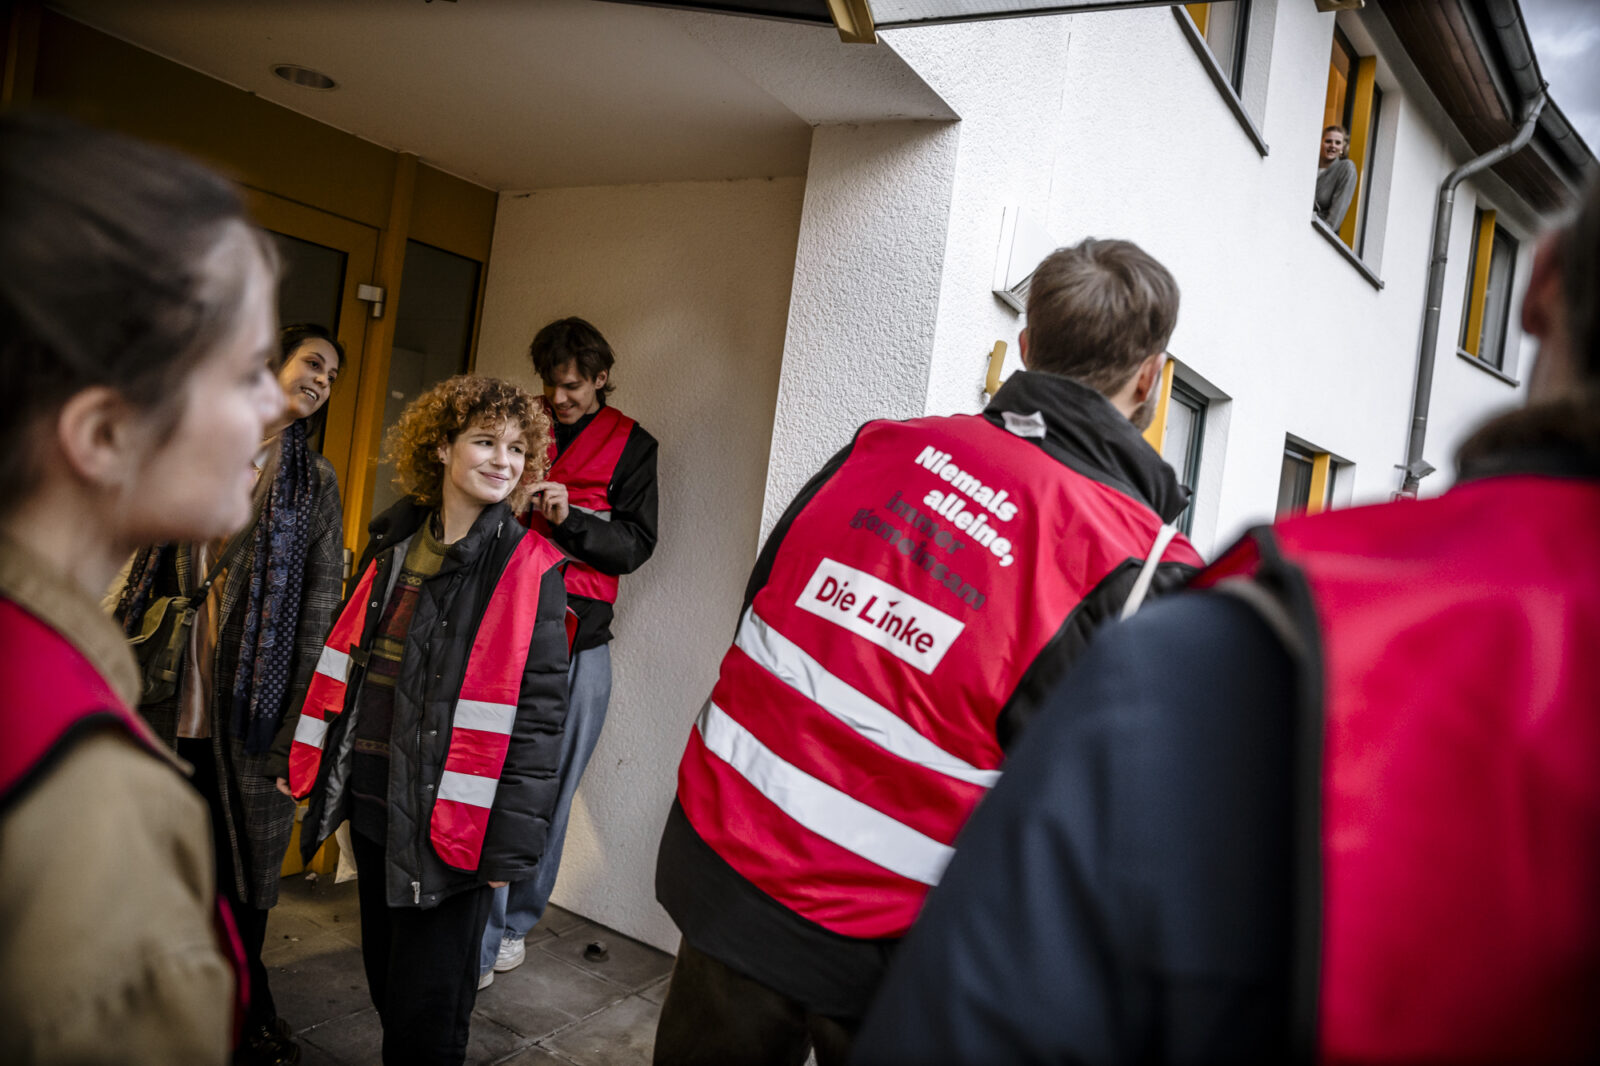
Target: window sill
[[1219, 78], [1492, 371], [1350, 257]]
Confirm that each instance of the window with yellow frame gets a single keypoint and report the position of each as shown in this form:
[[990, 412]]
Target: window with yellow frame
[[1224, 24], [1355, 102], [1490, 273], [1177, 432], [1307, 482]]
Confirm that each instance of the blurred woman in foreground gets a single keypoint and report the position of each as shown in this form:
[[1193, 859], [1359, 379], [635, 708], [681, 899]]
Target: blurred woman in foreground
[[136, 328], [257, 632]]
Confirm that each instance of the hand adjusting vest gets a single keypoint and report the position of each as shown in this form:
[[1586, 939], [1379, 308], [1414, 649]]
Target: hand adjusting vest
[[586, 469]]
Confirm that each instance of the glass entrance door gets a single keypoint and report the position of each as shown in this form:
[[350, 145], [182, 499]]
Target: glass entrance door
[[324, 258], [432, 340]]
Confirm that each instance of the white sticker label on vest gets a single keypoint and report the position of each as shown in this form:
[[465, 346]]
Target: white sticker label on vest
[[875, 610]]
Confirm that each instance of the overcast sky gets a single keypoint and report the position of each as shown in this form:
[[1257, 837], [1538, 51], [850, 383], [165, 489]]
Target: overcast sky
[[1566, 40]]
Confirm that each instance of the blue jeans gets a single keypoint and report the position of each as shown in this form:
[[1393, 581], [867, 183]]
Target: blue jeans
[[519, 906]]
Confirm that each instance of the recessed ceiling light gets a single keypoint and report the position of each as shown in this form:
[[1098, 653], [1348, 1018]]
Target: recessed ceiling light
[[304, 77]]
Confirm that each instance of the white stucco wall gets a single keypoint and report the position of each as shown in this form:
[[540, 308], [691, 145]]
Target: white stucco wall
[[866, 291], [1107, 125], [690, 283]]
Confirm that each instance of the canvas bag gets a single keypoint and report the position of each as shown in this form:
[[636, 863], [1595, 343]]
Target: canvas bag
[[163, 636]]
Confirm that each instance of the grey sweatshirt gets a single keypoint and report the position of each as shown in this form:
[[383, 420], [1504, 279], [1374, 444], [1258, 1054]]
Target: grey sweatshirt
[[1336, 186]]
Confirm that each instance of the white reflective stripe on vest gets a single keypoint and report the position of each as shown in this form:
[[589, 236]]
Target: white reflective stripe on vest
[[334, 663], [820, 807], [468, 788], [489, 717], [310, 730], [785, 660], [604, 516]]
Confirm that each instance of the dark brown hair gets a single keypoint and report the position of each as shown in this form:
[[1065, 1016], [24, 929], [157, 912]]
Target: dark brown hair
[[569, 340], [450, 408], [290, 338], [1097, 310], [104, 284]]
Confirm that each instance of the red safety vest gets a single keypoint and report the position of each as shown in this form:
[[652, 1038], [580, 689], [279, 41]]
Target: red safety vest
[[1460, 763], [586, 469], [47, 688], [485, 709], [852, 729]]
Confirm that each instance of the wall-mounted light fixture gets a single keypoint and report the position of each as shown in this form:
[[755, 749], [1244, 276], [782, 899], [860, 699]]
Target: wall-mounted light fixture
[[304, 77], [1023, 244]]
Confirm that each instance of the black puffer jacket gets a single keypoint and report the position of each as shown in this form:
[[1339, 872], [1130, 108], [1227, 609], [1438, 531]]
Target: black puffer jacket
[[432, 667]]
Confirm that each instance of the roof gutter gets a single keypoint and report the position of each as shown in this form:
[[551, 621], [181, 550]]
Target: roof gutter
[[1510, 33], [1415, 467]]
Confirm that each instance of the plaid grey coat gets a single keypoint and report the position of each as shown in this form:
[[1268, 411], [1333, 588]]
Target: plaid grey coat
[[257, 818]]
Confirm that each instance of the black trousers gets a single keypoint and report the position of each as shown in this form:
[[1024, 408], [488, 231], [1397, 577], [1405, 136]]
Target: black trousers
[[716, 1016], [422, 965], [251, 921]]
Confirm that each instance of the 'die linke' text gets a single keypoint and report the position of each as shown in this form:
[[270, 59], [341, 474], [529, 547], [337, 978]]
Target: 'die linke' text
[[902, 627], [974, 522]]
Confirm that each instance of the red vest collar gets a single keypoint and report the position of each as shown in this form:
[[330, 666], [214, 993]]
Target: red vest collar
[[48, 688]]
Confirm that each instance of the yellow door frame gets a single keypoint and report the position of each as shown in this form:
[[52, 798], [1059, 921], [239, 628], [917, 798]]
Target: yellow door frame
[[1483, 253], [1317, 497], [1157, 430], [367, 434], [1364, 83]]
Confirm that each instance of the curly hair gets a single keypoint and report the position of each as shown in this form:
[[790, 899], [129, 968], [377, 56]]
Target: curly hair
[[444, 412]]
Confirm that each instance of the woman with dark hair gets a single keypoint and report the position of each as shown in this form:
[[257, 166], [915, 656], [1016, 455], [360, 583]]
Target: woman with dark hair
[[136, 326], [1336, 177], [434, 721], [314, 347], [252, 649]]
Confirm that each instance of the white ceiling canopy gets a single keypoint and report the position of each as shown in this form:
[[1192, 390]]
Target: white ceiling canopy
[[512, 94]]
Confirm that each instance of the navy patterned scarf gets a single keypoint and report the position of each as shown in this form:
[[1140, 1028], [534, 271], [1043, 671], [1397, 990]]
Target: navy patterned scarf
[[271, 604], [135, 596]]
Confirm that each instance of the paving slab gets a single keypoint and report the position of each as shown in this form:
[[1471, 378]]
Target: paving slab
[[544, 994], [628, 963], [354, 1040], [315, 989], [657, 993], [623, 1034], [557, 1009], [536, 1056]]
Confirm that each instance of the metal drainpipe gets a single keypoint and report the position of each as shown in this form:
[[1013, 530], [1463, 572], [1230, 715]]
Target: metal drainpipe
[[1415, 468]]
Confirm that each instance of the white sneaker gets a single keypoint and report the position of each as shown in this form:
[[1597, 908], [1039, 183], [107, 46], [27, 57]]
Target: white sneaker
[[512, 953], [486, 980]]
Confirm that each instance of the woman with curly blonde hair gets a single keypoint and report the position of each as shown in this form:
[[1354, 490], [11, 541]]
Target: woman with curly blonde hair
[[434, 721]]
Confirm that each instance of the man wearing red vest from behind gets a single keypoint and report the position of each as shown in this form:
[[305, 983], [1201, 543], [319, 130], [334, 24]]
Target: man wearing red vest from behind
[[1341, 805], [598, 505], [903, 618]]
